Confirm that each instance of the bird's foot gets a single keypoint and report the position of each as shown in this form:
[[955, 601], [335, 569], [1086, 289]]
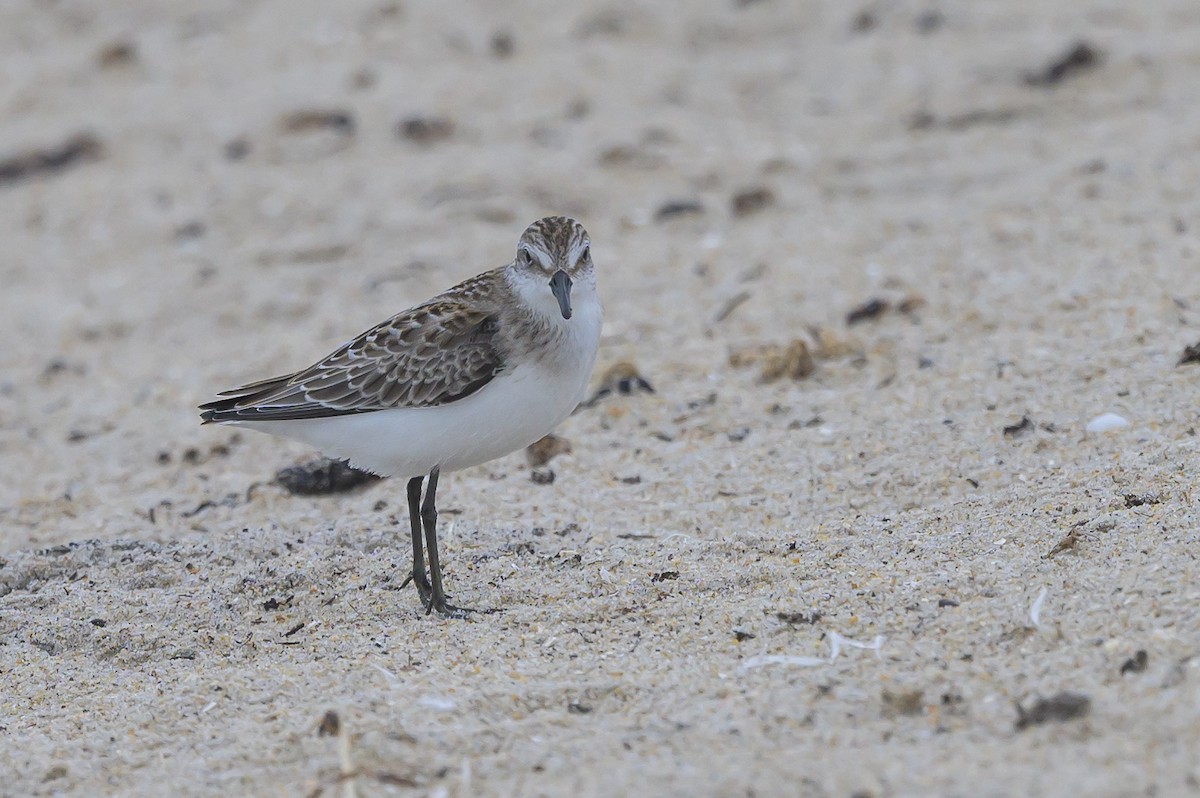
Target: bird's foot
[[444, 608], [424, 589]]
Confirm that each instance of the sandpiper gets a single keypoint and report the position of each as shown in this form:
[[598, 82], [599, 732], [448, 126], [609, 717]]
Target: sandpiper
[[479, 371]]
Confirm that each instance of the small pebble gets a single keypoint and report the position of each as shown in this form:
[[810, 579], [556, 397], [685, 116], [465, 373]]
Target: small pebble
[[1106, 423]]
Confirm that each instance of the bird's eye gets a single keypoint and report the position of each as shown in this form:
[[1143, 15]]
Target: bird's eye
[[587, 253], [525, 257]]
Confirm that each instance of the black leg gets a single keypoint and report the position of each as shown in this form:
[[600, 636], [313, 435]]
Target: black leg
[[437, 600], [414, 519]]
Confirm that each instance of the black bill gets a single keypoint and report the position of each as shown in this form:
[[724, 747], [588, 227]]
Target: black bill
[[560, 285]]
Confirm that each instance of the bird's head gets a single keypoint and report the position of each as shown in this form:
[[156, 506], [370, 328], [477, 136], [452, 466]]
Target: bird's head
[[554, 264]]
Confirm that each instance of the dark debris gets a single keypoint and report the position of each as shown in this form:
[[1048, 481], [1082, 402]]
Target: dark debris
[[116, 54], [904, 702], [798, 618], [1079, 58], [1060, 707], [926, 120], [502, 44], [674, 208], [752, 200], [1020, 428], [322, 477], [871, 309], [330, 725], [1137, 663], [1191, 354], [308, 119], [1068, 540], [425, 130], [78, 149], [621, 378]]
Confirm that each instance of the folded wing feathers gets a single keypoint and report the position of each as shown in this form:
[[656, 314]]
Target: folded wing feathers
[[431, 355]]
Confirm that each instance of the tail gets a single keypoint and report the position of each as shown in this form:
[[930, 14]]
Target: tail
[[233, 404]]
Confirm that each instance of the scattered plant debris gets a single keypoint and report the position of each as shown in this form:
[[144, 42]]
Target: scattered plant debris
[[792, 360], [1020, 428], [629, 155], [871, 309], [58, 366], [193, 455], [863, 21], [663, 576], [907, 305], [542, 476], [237, 149], [1068, 540], [945, 602], [1191, 354], [1079, 58], [546, 449], [730, 305], [116, 54], [674, 208], [741, 635], [78, 149], [230, 500], [503, 45], [322, 477], [620, 378], [425, 129], [1139, 500], [929, 21], [904, 702], [1137, 663], [308, 119], [576, 708], [330, 725], [926, 120], [752, 200], [797, 618], [274, 603], [1060, 707]]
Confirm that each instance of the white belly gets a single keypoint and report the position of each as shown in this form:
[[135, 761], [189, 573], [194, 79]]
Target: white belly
[[518, 407]]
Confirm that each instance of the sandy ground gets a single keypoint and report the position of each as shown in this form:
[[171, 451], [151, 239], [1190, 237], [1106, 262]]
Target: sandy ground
[[246, 200]]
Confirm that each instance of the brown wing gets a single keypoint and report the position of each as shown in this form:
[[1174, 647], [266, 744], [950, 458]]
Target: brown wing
[[435, 353]]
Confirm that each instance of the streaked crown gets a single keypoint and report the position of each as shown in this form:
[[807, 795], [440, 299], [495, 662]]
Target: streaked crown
[[556, 242]]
